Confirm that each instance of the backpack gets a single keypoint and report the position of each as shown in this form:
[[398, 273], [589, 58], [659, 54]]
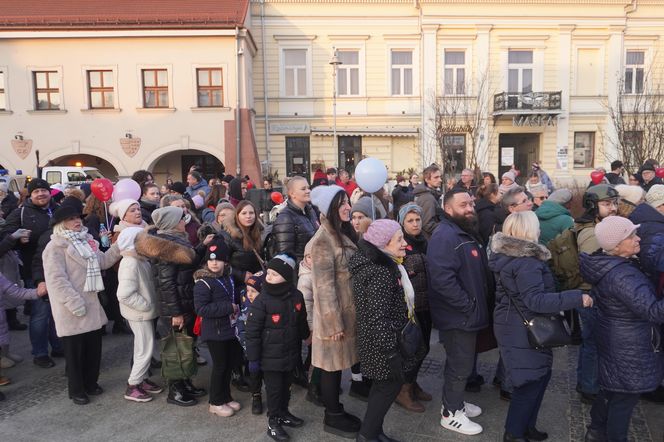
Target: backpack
[[565, 260]]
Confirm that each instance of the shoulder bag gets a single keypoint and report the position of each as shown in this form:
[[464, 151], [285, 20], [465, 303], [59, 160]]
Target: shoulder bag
[[545, 331]]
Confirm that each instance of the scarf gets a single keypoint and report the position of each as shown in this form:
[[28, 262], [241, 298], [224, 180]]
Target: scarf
[[84, 247], [408, 290]]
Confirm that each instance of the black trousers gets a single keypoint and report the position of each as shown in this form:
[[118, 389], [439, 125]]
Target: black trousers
[[277, 386], [424, 318], [381, 397], [83, 360], [611, 414], [256, 382], [223, 353], [330, 386]]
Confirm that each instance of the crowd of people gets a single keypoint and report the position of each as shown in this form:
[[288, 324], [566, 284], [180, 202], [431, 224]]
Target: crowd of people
[[348, 277]]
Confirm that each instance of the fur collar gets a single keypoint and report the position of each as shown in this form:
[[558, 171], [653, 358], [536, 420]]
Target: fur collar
[[518, 248], [163, 248], [206, 273]]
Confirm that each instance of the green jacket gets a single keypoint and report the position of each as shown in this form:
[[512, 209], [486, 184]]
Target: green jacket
[[554, 219]]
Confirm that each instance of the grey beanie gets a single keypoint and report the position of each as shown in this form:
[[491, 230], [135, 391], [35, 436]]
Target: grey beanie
[[363, 205], [322, 197], [561, 196], [167, 218]]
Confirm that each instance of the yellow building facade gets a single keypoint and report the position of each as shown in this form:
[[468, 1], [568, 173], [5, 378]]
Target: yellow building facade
[[487, 82]]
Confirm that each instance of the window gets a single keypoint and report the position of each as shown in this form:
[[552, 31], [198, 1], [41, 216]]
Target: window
[[295, 72], [53, 177], [3, 101], [520, 71], [297, 156], [402, 72], [348, 73], [455, 72], [584, 149], [634, 71], [47, 90], [350, 152], [75, 177], [633, 140], [455, 153], [210, 87], [155, 88], [100, 90]]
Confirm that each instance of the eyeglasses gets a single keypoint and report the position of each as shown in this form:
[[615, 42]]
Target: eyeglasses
[[522, 202]]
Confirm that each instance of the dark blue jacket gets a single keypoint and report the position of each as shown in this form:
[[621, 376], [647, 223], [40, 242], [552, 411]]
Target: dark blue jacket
[[651, 233], [214, 296], [459, 279], [628, 330], [522, 273]]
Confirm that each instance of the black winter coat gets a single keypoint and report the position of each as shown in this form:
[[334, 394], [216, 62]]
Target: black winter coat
[[174, 262], [146, 210], [276, 323], [651, 232], [415, 264], [487, 217], [629, 318], [294, 228], [400, 196], [459, 279], [522, 273], [8, 205], [214, 296], [35, 219], [381, 310]]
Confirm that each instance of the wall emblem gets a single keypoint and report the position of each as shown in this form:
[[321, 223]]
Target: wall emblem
[[22, 147], [130, 146]]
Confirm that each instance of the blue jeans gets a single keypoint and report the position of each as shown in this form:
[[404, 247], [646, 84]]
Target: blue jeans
[[42, 329], [588, 364], [525, 406], [611, 413]]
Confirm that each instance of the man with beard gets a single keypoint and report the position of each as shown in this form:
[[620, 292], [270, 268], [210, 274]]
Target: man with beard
[[459, 282]]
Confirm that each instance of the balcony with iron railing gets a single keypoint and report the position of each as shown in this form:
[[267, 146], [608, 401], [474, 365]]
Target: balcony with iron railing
[[510, 103]]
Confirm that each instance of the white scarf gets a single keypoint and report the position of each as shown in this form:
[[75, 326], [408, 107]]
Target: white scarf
[[93, 279], [408, 290]]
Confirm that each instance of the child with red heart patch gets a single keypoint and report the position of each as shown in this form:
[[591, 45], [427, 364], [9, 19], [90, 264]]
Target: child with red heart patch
[[276, 323]]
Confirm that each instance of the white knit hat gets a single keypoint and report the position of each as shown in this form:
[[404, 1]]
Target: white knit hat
[[655, 196], [322, 196], [633, 194], [119, 208], [612, 230]]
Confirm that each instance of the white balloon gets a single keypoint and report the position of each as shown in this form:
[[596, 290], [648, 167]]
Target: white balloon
[[370, 174]]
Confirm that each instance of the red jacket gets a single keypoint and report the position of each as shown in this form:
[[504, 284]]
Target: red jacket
[[349, 188]]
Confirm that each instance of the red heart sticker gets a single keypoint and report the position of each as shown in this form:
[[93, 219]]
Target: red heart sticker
[[213, 248], [475, 253], [298, 306], [276, 318]]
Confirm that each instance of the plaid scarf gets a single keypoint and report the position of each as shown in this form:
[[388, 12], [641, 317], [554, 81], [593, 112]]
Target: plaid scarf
[[93, 280]]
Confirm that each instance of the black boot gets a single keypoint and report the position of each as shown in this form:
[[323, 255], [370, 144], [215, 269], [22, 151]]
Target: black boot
[[360, 389], [536, 435], [289, 420], [594, 435], [313, 395], [192, 390], [256, 404], [382, 437], [507, 437], [276, 431], [178, 395], [342, 424]]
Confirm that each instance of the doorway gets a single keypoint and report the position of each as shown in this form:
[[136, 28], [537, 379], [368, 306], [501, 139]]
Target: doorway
[[209, 166], [350, 153], [522, 150]]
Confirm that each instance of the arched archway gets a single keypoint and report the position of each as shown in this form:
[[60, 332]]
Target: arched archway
[[176, 163], [105, 167]]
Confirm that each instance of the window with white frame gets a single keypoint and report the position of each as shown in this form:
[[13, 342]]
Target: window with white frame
[[348, 72], [455, 72], [584, 149], [634, 71], [520, 71], [295, 72], [101, 93], [402, 71], [155, 88], [3, 101], [47, 90]]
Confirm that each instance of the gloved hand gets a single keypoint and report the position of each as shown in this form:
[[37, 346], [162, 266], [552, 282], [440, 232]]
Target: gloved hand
[[81, 311], [395, 363], [254, 366]]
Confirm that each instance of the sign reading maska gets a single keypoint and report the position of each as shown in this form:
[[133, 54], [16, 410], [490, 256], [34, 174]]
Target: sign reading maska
[[534, 120]]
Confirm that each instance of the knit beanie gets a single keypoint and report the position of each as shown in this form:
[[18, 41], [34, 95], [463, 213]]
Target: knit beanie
[[256, 280], [655, 196], [406, 209], [217, 250], [381, 231], [509, 175], [322, 196], [363, 205], [227, 178], [561, 196], [119, 208], [178, 187], [127, 238], [631, 194], [220, 207], [283, 265], [167, 218], [38, 183], [612, 230]]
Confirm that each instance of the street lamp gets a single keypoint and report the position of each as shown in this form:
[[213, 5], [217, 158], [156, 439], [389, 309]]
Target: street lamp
[[335, 62]]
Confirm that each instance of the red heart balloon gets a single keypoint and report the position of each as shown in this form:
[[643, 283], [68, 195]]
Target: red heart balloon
[[102, 188], [597, 176], [277, 198], [659, 172]]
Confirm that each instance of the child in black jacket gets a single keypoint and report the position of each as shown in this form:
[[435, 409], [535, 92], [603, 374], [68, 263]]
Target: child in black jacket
[[276, 324]]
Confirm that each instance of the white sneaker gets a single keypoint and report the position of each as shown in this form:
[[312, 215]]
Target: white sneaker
[[460, 423], [471, 410]]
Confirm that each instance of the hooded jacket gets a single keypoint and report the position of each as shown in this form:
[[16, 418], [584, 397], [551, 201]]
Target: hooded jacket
[[651, 233], [429, 200], [459, 279], [147, 207], [201, 185], [400, 195], [628, 329], [214, 296], [523, 277], [487, 217], [554, 219], [294, 228], [136, 292]]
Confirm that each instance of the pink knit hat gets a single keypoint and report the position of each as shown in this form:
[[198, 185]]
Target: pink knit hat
[[381, 231], [612, 230]]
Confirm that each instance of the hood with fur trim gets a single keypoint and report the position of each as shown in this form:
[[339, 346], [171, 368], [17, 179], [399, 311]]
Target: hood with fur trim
[[518, 248], [206, 273], [164, 247]]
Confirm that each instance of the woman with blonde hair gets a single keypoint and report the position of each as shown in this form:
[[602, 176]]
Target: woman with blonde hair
[[525, 283]]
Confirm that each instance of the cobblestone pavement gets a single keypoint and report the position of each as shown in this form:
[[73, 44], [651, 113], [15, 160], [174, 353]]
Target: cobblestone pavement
[[38, 409]]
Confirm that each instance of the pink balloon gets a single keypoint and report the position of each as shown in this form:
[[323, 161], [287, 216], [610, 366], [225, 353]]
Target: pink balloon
[[126, 188]]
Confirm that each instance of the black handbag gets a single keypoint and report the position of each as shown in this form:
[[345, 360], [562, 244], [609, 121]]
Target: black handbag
[[411, 340], [545, 331]]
